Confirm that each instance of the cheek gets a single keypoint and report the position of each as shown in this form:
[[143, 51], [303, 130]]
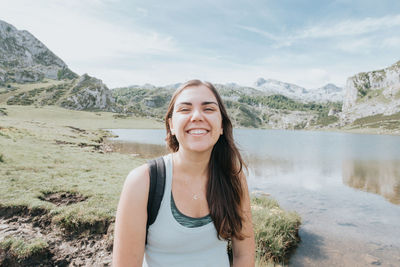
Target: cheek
[[177, 122]]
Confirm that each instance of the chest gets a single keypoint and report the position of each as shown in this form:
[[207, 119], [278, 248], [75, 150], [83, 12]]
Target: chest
[[190, 197]]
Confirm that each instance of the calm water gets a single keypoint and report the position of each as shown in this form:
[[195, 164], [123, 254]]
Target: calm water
[[346, 187]]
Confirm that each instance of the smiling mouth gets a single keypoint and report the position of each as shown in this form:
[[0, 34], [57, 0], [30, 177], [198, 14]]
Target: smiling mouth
[[197, 132]]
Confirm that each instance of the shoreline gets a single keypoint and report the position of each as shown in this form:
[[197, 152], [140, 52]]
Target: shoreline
[[115, 122]]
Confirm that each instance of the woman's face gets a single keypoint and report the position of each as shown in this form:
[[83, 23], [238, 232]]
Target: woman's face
[[196, 119]]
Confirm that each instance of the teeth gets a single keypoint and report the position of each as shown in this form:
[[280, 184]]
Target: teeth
[[197, 131]]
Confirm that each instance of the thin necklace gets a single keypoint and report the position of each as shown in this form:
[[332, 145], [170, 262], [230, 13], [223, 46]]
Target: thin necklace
[[195, 196]]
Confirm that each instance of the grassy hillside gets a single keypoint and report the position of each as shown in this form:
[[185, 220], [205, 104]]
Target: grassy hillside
[[247, 107]]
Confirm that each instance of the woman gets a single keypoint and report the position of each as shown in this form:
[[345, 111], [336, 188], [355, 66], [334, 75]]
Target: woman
[[206, 200]]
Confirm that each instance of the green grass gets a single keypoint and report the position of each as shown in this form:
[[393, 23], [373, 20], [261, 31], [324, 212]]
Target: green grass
[[57, 116], [21, 249], [33, 163], [326, 120], [376, 94], [18, 88], [276, 230], [389, 122]]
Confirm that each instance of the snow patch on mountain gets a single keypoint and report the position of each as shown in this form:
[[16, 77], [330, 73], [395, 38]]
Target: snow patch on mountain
[[327, 93]]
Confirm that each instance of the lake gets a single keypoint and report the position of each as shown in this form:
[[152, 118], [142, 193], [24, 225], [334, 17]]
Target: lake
[[346, 187]]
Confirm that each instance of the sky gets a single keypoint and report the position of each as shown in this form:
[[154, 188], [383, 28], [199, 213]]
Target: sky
[[129, 42]]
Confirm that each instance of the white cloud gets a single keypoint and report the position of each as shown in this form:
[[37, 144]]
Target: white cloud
[[261, 32], [347, 28], [279, 41], [76, 31], [356, 45], [93, 36], [142, 11], [350, 27], [391, 42], [218, 71]]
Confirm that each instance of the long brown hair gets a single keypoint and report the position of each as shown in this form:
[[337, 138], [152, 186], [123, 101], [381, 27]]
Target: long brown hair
[[224, 187]]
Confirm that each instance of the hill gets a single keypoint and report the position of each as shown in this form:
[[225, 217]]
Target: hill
[[373, 99], [31, 74], [23, 58]]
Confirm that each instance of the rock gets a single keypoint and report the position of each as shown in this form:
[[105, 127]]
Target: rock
[[372, 260], [90, 93], [23, 58], [327, 93], [371, 93], [332, 112]]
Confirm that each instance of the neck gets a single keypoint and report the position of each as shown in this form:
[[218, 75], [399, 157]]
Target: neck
[[195, 165]]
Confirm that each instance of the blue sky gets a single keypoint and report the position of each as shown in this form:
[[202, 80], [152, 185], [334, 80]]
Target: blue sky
[[309, 43]]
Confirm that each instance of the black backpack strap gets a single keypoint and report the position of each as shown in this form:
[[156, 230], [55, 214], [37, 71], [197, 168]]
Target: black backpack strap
[[156, 190]]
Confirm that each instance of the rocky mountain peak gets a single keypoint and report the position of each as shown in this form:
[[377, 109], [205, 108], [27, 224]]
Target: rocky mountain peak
[[89, 93], [329, 92], [371, 93], [260, 82], [23, 58], [331, 88]]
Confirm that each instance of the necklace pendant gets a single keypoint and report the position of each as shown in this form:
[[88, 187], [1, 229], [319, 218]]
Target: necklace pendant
[[195, 197]]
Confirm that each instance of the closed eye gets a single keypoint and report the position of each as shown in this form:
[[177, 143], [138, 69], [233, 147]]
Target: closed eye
[[183, 109]]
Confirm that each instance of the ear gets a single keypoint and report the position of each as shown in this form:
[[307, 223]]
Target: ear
[[171, 128], [222, 131]]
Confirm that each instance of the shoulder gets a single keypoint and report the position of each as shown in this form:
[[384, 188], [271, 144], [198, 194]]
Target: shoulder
[[137, 183], [139, 175]]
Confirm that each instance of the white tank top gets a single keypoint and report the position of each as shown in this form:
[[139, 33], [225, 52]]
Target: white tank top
[[171, 244]]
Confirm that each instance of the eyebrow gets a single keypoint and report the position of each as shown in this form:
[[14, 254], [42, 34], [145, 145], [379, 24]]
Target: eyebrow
[[202, 103]]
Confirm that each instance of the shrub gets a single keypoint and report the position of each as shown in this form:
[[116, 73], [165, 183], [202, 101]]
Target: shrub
[[276, 231]]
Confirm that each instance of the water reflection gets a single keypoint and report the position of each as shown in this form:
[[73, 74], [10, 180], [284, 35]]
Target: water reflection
[[266, 167], [373, 176], [315, 174], [378, 177]]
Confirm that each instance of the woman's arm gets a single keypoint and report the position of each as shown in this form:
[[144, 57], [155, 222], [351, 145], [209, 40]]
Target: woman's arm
[[131, 218], [244, 250]]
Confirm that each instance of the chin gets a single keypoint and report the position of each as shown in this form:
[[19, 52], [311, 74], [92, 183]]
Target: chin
[[200, 148]]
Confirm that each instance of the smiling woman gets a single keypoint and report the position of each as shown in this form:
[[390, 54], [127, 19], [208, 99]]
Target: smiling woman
[[196, 121], [206, 200]]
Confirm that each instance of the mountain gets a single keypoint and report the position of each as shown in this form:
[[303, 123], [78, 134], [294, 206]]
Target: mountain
[[30, 74], [328, 93], [375, 93], [23, 58], [278, 87], [247, 106], [89, 93], [25, 61]]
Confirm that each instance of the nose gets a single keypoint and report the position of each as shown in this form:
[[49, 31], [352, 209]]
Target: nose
[[197, 115]]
